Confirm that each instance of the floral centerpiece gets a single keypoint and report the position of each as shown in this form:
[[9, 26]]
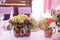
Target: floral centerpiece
[[22, 25], [44, 25]]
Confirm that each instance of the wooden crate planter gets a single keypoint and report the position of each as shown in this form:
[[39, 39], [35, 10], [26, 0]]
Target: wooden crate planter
[[19, 31], [49, 31]]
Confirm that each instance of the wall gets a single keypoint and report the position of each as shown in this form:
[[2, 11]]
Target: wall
[[7, 10], [55, 3], [47, 6], [2, 0], [37, 8]]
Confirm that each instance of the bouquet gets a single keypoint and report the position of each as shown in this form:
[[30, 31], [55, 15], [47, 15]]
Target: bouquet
[[22, 24]]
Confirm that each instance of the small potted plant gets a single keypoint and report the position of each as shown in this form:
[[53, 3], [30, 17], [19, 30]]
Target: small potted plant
[[44, 25], [22, 25]]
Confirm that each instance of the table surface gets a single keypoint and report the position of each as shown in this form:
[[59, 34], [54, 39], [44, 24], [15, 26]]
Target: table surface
[[35, 35]]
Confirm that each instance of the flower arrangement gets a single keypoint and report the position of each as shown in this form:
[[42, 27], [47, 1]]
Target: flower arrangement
[[22, 25], [45, 25], [57, 17], [58, 20]]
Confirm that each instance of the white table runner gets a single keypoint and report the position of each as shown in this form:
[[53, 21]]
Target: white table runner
[[38, 35]]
